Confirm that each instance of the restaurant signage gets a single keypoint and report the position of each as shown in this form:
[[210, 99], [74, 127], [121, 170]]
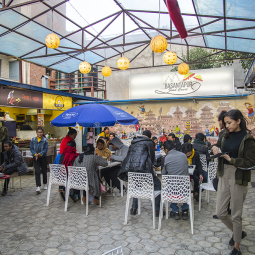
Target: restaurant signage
[[20, 98], [55, 102], [204, 82]]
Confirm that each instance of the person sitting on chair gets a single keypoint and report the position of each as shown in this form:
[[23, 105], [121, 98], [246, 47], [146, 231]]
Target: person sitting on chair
[[13, 162], [175, 163]]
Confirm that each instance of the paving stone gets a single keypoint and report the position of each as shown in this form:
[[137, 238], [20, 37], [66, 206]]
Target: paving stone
[[138, 252], [183, 252], [51, 252], [212, 251]]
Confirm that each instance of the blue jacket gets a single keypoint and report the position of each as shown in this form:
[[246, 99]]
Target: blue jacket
[[41, 147]]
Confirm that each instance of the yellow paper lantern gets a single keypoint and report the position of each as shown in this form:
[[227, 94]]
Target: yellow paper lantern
[[158, 43], [170, 57], [123, 63], [52, 41], [183, 68], [106, 71], [84, 67]]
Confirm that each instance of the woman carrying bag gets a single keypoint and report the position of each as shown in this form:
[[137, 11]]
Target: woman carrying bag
[[39, 148], [234, 174]]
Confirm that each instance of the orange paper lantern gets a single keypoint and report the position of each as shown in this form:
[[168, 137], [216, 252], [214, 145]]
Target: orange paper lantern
[[84, 67], [106, 71], [170, 57], [123, 63], [183, 68], [52, 41], [158, 43]]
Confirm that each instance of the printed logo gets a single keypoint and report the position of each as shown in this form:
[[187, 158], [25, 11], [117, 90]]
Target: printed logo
[[121, 114], [69, 115], [181, 85], [97, 124], [59, 102]]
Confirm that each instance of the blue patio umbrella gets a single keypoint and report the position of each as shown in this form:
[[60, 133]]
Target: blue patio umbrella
[[94, 115]]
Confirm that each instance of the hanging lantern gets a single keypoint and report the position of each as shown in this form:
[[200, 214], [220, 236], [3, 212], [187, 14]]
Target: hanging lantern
[[106, 71], [183, 68], [52, 41], [158, 43], [84, 67], [123, 63], [170, 57]]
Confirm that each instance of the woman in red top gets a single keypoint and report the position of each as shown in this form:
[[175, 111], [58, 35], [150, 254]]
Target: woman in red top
[[71, 135]]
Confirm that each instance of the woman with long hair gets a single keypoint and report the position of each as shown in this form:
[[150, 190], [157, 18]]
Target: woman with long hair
[[234, 174], [71, 135], [39, 148]]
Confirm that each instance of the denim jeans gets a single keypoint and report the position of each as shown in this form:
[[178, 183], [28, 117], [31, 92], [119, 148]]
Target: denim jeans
[[196, 179], [175, 207], [157, 186]]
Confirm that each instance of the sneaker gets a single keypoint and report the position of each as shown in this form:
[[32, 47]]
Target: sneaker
[[38, 190], [196, 197], [133, 211], [62, 196], [235, 252], [96, 201], [4, 192], [176, 215], [232, 242], [45, 186], [215, 217], [84, 199], [185, 214]]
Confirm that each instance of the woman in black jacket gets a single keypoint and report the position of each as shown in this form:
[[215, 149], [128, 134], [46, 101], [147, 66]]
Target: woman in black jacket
[[199, 174]]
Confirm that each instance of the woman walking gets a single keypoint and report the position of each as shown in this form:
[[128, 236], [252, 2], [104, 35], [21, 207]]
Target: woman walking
[[39, 148], [234, 174]]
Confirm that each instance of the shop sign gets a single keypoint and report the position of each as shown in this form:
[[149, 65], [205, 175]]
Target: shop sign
[[204, 82], [20, 98], [55, 102], [40, 119]]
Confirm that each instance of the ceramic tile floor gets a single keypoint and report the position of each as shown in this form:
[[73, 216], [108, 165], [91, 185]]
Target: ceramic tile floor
[[28, 226]]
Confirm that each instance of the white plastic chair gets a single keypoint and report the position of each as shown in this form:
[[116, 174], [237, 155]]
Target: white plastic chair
[[77, 179], [57, 177], [212, 171], [116, 251], [141, 186], [176, 189], [203, 161]]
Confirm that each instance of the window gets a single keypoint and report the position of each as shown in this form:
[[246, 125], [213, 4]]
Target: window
[[14, 70], [48, 72]]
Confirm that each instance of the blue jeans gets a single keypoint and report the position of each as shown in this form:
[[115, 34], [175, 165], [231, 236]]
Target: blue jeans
[[196, 179], [157, 186], [175, 208]]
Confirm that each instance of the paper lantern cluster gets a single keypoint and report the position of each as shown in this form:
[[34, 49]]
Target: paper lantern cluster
[[106, 71], [52, 41], [84, 67], [158, 44], [123, 63]]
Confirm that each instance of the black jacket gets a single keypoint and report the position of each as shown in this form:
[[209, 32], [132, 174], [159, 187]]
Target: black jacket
[[178, 145], [196, 161], [140, 157], [14, 160], [201, 149]]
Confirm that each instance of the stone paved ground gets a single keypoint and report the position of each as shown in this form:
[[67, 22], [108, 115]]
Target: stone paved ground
[[28, 226]]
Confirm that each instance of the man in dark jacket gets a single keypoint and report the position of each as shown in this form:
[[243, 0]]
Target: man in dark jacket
[[199, 174], [176, 141], [140, 159], [13, 162], [200, 147]]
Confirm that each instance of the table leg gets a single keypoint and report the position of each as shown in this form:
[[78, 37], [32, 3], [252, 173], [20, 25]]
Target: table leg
[[121, 188]]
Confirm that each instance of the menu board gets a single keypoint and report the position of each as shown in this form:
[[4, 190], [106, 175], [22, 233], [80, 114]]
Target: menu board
[[40, 119]]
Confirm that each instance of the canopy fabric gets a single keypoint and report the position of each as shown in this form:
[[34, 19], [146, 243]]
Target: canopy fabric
[[94, 115], [107, 28]]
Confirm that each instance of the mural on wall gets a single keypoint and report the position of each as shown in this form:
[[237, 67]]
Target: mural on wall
[[186, 117]]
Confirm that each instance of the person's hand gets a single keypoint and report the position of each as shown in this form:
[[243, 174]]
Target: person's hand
[[215, 150], [97, 154], [226, 156], [36, 156], [201, 178], [109, 157]]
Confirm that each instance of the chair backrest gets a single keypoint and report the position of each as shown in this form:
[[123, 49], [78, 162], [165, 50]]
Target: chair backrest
[[116, 251], [58, 174], [77, 177], [212, 171], [203, 161], [140, 185], [175, 188]]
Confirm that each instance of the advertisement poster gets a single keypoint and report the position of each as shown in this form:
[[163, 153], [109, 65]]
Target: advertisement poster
[[40, 119], [20, 98], [56, 102]]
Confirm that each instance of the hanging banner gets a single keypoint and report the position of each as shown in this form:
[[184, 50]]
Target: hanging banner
[[20, 98], [56, 102], [204, 82]]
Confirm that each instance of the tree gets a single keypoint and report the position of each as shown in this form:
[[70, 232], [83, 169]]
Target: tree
[[201, 58]]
